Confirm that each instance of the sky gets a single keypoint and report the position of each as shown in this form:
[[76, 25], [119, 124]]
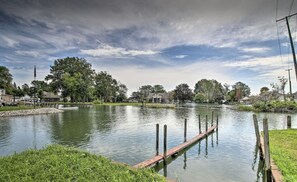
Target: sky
[[142, 42]]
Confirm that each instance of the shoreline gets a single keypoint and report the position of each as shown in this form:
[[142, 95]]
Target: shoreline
[[29, 112]]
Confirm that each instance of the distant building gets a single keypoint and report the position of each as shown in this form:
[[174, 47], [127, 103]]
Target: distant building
[[158, 97], [50, 97]]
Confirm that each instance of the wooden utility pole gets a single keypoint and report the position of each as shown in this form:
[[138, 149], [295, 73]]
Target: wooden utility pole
[[290, 83], [34, 86], [291, 40]]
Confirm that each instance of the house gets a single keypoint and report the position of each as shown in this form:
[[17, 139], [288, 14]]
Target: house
[[4, 98], [50, 97], [158, 97]]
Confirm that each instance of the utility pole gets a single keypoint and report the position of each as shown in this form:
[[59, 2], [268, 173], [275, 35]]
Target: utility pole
[[34, 86], [290, 83], [291, 40]]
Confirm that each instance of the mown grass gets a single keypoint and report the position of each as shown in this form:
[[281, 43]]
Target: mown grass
[[245, 108], [59, 163], [15, 108], [283, 146]]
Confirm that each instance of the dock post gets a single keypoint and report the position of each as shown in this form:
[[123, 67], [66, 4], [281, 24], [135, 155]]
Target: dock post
[[185, 131], [165, 142], [266, 149], [256, 129], [217, 122], [199, 124], [289, 123], [157, 139], [212, 118], [206, 124]]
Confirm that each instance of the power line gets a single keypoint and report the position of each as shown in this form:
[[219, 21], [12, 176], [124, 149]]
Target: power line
[[279, 46], [292, 2]]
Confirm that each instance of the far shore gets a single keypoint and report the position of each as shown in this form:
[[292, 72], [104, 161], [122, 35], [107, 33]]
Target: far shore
[[26, 112]]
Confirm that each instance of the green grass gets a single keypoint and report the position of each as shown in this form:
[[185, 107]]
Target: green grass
[[58, 163], [245, 108], [283, 146], [14, 108]]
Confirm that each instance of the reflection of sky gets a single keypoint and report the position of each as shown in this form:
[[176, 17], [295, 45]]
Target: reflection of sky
[[127, 134]]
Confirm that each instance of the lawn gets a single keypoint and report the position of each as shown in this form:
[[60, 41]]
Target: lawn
[[283, 146], [14, 108], [59, 163]]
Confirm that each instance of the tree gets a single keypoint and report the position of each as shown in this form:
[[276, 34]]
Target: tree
[[72, 72], [182, 92], [280, 87], [158, 89], [122, 93], [241, 90], [264, 90], [5, 79], [211, 90], [105, 86]]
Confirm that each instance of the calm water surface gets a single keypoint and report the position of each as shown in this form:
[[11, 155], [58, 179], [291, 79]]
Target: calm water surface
[[127, 134]]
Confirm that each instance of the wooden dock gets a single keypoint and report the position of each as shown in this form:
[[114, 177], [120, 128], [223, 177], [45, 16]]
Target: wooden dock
[[175, 150]]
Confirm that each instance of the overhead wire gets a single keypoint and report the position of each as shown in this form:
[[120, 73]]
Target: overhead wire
[[292, 2], [277, 30]]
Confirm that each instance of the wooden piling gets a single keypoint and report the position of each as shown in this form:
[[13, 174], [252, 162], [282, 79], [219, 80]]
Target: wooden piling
[[157, 139], [217, 122], [212, 118], [266, 149], [185, 131], [206, 123], [199, 123], [289, 122], [165, 141], [256, 126]]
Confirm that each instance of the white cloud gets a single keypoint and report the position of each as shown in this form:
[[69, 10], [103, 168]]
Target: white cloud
[[28, 53], [255, 49], [109, 51], [181, 56], [9, 42]]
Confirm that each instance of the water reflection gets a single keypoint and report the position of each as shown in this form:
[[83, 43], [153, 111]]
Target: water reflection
[[127, 134]]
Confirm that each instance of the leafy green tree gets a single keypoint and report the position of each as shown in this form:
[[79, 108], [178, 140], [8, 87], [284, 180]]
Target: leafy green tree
[[200, 98], [212, 90], [158, 89], [105, 86], [241, 90], [182, 92], [5, 79], [264, 90], [72, 72], [122, 93]]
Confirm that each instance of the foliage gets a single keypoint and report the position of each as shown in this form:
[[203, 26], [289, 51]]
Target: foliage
[[5, 79], [264, 90], [73, 77], [109, 89], [280, 87], [58, 163], [182, 92], [245, 108], [241, 90], [211, 90], [283, 148], [275, 106], [158, 89]]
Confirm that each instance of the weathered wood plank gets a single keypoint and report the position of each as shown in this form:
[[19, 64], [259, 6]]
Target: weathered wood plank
[[174, 150]]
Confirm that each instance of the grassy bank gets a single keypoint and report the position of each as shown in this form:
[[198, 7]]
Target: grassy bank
[[270, 106], [283, 146], [15, 108], [58, 163]]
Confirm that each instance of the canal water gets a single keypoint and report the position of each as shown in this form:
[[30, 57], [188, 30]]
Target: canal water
[[127, 134]]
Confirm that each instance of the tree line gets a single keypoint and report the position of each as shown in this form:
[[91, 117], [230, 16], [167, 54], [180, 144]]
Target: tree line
[[75, 80]]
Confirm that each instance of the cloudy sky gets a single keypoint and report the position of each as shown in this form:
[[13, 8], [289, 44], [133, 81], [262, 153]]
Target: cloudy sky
[[142, 42]]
